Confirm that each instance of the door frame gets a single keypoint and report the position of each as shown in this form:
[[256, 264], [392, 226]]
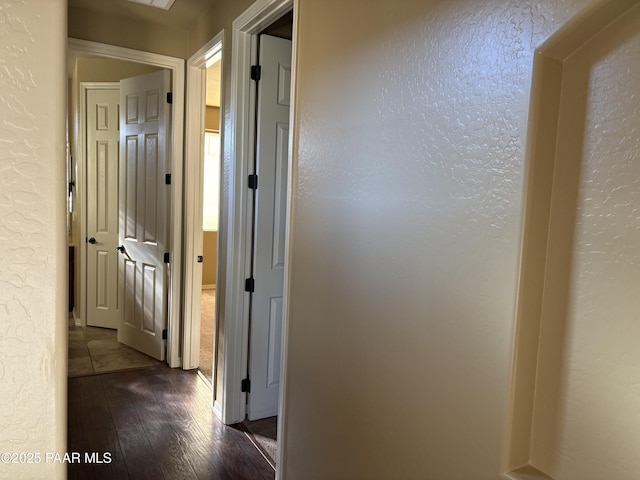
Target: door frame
[[241, 143], [272, 160], [194, 159], [176, 66]]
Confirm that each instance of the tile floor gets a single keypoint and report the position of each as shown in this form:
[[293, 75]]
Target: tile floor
[[97, 350]]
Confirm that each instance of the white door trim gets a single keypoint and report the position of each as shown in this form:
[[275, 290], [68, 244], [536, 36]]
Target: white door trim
[[241, 133], [177, 67], [194, 155]]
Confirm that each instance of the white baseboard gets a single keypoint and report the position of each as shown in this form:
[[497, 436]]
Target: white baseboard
[[209, 287], [217, 409]]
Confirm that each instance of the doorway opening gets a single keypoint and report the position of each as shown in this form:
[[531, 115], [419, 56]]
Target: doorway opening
[[210, 216], [202, 210], [94, 73], [268, 212], [240, 150]]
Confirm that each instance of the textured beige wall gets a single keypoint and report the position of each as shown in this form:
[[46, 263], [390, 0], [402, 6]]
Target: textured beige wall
[[108, 70], [33, 238], [410, 128], [219, 17], [126, 32]]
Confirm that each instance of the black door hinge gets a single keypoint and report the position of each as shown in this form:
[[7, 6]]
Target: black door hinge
[[164, 334], [253, 181], [249, 285], [200, 259], [170, 97], [256, 72], [245, 385], [166, 257], [167, 179]]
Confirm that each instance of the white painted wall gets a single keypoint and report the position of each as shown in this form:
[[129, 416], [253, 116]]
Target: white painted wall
[[410, 127], [33, 258]]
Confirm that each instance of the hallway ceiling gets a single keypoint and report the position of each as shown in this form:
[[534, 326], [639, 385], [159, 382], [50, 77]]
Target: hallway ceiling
[[182, 14]]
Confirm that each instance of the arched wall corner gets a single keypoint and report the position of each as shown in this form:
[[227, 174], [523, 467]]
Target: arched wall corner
[[544, 367]]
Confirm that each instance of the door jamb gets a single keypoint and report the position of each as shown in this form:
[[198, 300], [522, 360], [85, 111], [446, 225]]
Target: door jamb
[[194, 155], [176, 66], [242, 138]]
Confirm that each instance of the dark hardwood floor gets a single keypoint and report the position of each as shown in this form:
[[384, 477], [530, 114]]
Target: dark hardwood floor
[[155, 423]]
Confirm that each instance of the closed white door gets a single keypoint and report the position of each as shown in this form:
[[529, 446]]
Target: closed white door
[[144, 196], [269, 226], [103, 137]]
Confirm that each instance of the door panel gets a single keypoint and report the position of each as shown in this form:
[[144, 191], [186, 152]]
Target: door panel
[[143, 213], [272, 152], [275, 342], [280, 195], [102, 206]]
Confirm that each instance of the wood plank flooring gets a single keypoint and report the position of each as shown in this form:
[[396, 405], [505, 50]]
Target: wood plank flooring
[[156, 423]]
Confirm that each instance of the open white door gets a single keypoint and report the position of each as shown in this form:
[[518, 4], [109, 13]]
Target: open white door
[[269, 228], [144, 196], [102, 150]]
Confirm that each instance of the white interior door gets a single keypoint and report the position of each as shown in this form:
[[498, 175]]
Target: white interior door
[[269, 228], [144, 196], [103, 136]]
